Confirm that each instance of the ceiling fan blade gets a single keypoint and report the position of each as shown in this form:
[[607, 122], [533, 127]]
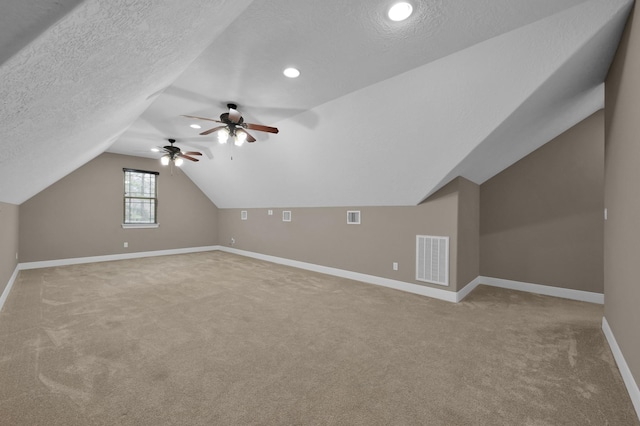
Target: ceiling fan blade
[[249, 137], [188, 157], [192, 153], [260, 128], [202, 118], [234, 115], [206, 132]]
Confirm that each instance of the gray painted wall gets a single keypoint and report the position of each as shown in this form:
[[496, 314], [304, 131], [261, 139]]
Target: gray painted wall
[[622, 174], [8, 242], [468, 231], [541, 220], [81, 215], [321, 235]]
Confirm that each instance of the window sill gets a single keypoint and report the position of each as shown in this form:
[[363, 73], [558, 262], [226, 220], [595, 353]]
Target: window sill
[[140, 225]]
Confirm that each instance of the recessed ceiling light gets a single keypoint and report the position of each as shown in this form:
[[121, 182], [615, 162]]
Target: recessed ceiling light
[[400, 11], [195, 126], [291, 72], [155, 149]]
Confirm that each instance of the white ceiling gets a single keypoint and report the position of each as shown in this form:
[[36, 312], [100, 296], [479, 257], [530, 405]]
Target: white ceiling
[[384, 113]]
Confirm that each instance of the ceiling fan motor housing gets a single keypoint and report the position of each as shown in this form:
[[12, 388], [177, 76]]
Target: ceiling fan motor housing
[[172, 150]]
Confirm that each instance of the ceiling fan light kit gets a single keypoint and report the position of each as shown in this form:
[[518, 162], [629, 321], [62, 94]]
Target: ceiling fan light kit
[[175, 155], [239, 137]]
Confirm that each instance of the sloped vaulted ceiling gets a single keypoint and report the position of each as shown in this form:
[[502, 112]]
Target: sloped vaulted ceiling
[[384, 113], [69, 93]]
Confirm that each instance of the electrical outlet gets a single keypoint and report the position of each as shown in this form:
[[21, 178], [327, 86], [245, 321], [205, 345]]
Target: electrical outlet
[[233, 241], [395, 266], [126, 244]]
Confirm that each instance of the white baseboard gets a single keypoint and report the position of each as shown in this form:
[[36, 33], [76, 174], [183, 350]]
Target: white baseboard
[[627, 377], [436, 293], [111, 257], [7, 289], [565, 293], [449, 296], [468, 289]]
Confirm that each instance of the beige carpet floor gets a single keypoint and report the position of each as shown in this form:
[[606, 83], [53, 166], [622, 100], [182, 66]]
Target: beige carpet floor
[[218, 339]]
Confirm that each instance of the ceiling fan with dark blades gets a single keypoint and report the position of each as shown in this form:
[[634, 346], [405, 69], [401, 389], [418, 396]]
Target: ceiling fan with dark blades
[[234, 125], [175, 154]]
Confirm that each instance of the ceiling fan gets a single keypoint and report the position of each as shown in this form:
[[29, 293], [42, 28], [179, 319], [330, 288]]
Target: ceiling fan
[[175, 155], [233, 125]]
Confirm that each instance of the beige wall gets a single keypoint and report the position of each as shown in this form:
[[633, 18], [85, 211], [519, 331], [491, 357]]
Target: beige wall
[[8, 242], [622, 178], [541, 220], [321, 235], [468, 231], [81, 215]]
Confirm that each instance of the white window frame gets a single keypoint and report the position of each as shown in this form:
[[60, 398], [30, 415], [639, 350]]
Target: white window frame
[[126, 222]]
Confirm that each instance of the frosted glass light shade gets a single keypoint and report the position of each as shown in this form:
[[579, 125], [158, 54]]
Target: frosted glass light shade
[[223, 136], [240, 138]]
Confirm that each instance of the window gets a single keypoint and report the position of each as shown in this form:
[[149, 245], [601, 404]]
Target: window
[[140, 198]]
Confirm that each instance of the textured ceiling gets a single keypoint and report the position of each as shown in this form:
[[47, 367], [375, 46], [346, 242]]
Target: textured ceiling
[[384, 113]]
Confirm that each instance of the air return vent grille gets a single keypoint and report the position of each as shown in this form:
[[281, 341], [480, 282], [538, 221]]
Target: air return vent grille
[[432, 259], [353, 217]]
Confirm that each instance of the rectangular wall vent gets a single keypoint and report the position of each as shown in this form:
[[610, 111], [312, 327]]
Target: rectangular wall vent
[[353, 217], [286, 216], [243, 215], [432, 259]]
